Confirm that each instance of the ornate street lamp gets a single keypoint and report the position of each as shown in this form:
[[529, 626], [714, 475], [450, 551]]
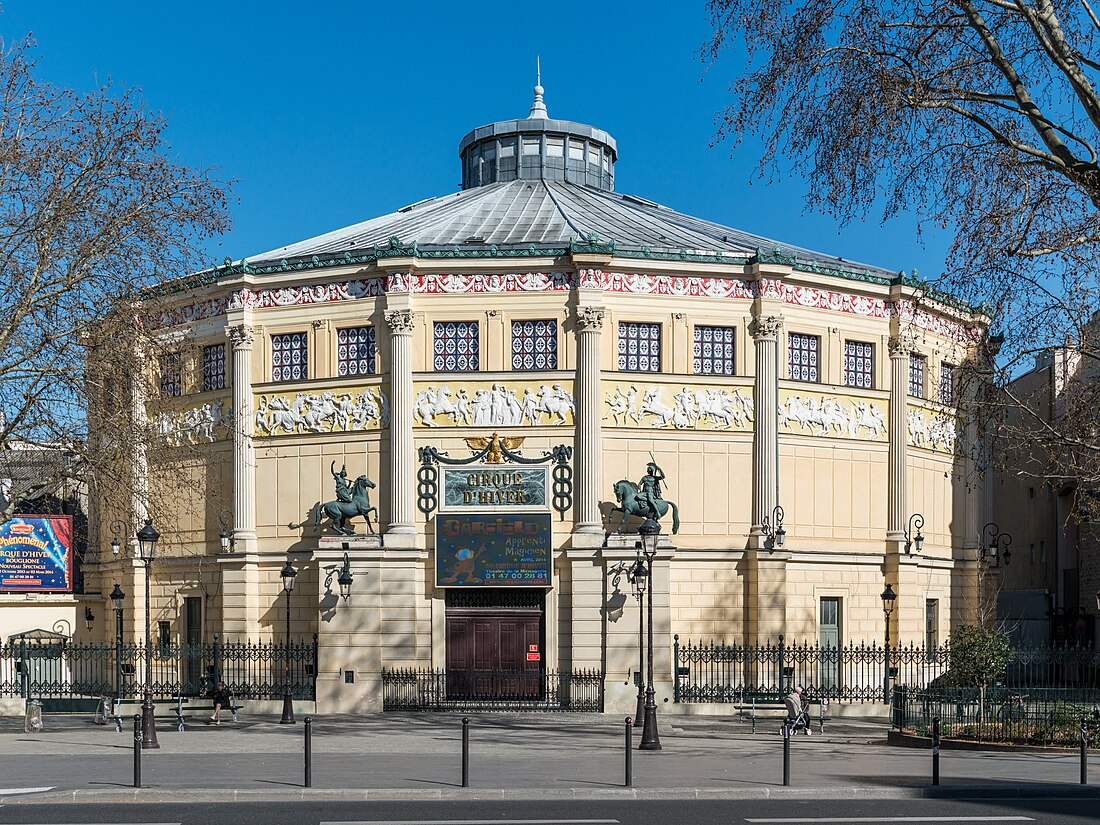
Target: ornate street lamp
[[650, 533], [995, 544], [888, 598], [147, 538], [118, 598], [345, 579], [639, 576], [774, 534], [914, 542], [287, 574]]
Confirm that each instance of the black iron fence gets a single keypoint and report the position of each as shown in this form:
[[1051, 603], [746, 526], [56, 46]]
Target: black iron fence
[[1037, 716], [720, 672], [546, 690], [61, 669]]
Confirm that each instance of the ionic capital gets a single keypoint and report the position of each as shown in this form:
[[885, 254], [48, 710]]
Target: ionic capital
[[241, 336], [400, 321], [590, 319], [765, 327]]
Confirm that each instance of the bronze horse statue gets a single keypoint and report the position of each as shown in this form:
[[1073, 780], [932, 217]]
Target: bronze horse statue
[[626, 494], [340, 511]]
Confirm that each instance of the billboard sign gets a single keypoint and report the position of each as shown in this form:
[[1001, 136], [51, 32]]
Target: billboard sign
[[36, 554], [493, 550], [491, 488]]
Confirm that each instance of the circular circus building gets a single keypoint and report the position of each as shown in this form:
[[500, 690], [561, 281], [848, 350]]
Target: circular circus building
[[513, 376]]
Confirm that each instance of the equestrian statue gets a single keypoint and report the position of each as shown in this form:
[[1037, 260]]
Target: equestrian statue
[[644, 499], [351, 500]]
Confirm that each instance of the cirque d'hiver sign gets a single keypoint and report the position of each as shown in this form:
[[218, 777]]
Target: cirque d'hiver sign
[[36, 554]]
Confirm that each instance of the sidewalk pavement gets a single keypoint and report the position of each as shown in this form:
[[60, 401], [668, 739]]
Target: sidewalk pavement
[[537, 756]]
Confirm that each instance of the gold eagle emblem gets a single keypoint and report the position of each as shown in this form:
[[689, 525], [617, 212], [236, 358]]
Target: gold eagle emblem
[[494, 444]]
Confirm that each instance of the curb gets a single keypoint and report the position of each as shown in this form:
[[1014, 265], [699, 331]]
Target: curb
[[167, 796]]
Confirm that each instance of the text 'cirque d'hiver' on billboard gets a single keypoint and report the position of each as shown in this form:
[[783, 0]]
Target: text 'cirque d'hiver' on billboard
[[36, 554]]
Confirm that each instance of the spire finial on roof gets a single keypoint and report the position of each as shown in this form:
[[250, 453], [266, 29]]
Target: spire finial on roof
[[538, 108]]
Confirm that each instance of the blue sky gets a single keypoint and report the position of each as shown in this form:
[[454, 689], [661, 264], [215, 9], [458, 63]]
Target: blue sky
[[330, 113]]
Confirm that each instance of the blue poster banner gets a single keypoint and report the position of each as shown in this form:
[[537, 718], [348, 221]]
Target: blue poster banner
[[36, 554], [493, 550]]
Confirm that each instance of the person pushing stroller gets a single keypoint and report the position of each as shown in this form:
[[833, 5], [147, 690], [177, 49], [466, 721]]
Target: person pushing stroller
[[798, 717]]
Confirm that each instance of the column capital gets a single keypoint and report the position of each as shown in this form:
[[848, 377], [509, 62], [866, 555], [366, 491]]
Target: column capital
[[590, 319], [764, 327], [400, 321], [902, 344], [241, 336]]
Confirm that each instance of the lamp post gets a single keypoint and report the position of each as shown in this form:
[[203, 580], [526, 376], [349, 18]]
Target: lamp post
[[287, 574], [914, 541], [638, 578], [147, 538], [650, 532], [888, 597], [117, 598], [774, 534], [995, 544]]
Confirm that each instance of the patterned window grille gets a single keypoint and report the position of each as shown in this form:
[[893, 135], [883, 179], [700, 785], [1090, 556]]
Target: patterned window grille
[[916, 376], [858, 364], [534, 345], [289, 355], [947, 383], [213, 367], [802, 356], [456, 346], [639, 347], [713, 354], [356, 351], [170, 379]]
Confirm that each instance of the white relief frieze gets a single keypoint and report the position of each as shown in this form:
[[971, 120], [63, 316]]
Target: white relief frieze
[[833, 417], [714, 407], [322, 412], [494, 406], [932, 431], [207, 422]]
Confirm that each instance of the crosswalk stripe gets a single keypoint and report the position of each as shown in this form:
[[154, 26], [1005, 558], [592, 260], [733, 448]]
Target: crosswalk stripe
[[473, 822], [14, 791]]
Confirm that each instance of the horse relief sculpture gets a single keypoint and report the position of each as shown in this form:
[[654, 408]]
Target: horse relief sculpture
[[206, 422], [644, 499], [723, 409], [351, 500], [832, 417], [494, 407], [323, 412], [936, 432]]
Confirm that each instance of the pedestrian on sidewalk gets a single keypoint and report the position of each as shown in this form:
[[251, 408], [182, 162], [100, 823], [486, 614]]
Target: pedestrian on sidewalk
[[223, 697], [797, 716]]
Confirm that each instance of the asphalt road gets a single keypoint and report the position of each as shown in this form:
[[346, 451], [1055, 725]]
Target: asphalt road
[[760, 812]]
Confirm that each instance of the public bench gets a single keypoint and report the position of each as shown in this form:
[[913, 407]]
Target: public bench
[[770, 706], [175, 711]]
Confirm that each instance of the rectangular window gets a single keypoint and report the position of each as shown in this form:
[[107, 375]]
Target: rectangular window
[[530, 146], [356, 350], [802, 356], [576, 150], [858, 364], [947, 383], [931, 628], [213, 367], [916, 376], [456, 346], [555, 147], [534, 345], [289, 357], [170, 383], [639, 347], [713, 352]]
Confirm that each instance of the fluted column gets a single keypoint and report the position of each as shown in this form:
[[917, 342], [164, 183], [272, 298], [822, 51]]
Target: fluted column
[[402, 453], [901, 345], [765, 461], [588, 456], [241, 337]]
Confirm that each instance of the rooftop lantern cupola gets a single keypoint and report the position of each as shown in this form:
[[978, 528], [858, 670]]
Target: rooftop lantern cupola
[[538, 148]]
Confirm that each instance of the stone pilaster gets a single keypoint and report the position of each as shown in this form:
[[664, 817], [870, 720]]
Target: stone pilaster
[[401, 531], [241, 337], [765, 459], [897, 515], [588, 528]]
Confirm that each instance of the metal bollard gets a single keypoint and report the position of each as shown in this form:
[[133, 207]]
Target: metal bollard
[[465, 752], [309, 752], [1084, 751], [786, 754], [137, 750], [935, 750], [629, 752]]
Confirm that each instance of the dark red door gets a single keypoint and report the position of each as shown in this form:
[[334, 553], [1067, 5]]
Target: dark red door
[[494, 653]]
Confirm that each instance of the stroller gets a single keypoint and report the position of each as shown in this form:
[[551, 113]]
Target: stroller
[[798, 717]]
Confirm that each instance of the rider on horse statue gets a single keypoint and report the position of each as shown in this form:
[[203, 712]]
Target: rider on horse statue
[[649, 489], [343, 489]]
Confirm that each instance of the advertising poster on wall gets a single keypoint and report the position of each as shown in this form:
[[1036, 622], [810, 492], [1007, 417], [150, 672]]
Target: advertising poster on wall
[[36, 554], [493, 550]]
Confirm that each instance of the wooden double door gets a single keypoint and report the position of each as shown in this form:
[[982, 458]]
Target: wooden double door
[[495, 652]]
